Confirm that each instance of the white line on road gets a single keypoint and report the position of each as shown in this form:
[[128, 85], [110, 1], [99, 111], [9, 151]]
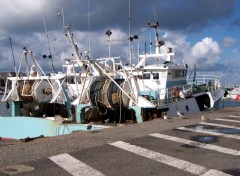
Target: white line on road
[[74, 166], [196, 144], [199, 130], [233, 116], [165, 159], [219, 125], [227, 120], [212, 172]]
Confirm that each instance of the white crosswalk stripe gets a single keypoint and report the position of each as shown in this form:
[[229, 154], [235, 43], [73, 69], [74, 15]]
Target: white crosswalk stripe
[[74, 166], [199, 130], [171, 161], [77, 167], [227, 120], [219, 125], [234, 116], [197, 144]]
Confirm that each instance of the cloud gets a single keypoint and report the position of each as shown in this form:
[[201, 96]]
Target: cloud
[[24, 16], [23, 21], [204, 54], [20, 16], [177, 41], [60, 48], [229, 41]]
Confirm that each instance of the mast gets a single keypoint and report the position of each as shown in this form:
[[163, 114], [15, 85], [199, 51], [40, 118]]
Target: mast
[[129, 32], [49, 48], [158, 43], [73, 45], [15, 68], [89, 39]]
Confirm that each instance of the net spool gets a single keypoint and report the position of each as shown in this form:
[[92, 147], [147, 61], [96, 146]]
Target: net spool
[[25, 91], [114, 94], [39, 91], [42, 91], [125, 99], [106, 94]]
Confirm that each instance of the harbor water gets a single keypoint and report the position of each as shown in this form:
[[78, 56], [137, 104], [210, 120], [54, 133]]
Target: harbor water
[[3, 110], [228, 103], [225, 103]]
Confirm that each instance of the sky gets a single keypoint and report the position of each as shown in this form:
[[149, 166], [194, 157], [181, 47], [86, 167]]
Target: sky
[[204, 33]]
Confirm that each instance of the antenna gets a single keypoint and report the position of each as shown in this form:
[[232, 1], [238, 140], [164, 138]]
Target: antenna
[[109, 33], [129, 32], [60, 15], [89, 40], [155, 24], [15, 68], [45, 28], [154, 12], [150, 36]]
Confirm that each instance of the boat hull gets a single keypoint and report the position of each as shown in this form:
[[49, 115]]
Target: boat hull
[[195, 104], [30, 127]]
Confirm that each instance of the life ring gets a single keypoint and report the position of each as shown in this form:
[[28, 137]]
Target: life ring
[[175, 92]]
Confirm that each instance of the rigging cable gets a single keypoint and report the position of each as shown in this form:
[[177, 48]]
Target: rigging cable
[[50, 53], [89, 39], [15, 68]]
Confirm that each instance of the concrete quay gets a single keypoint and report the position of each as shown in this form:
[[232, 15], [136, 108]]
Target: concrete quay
[[22, 152]]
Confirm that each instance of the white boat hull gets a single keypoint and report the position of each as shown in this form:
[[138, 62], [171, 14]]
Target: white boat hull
[[191, 105]]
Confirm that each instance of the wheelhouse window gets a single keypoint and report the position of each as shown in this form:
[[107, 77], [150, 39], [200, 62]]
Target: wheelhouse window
[[146, 76], [155, 75], [71, 80], [179, 73]]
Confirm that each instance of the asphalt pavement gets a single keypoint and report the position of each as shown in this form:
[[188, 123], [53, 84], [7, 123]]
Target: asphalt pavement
[[157, 147]]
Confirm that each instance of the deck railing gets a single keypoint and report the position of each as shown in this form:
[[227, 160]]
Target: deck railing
[[202, 83], [205, 79]]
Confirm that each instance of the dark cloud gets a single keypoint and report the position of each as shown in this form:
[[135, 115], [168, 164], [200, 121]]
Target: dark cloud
[[173, 14], [236, 22], [23, 21], [229, 41], [195, 14]]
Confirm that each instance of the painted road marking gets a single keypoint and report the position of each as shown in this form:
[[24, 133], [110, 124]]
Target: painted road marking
[[227, 120], [198, 130], [74, 166], [219, 125], [212, 172], [168, 160], [233, 116], [196, 144]]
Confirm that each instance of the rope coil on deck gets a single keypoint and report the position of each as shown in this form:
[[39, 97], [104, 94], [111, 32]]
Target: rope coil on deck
[[105, 94]]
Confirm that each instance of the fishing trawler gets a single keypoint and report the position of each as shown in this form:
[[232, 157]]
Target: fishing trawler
[[168, 85], [46, 105], [165, 85], [57, 104]]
